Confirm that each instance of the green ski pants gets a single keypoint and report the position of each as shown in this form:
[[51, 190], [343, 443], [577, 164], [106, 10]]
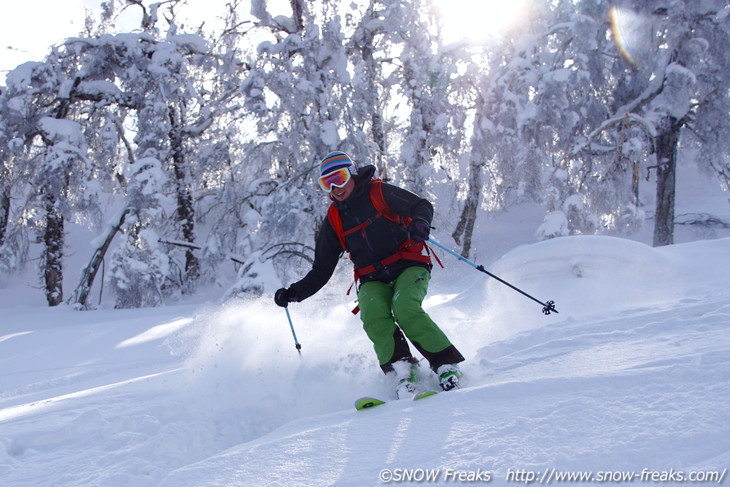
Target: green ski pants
[[382, 305]]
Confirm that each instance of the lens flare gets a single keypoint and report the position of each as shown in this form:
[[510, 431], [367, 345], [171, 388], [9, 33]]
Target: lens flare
[[622, 23]]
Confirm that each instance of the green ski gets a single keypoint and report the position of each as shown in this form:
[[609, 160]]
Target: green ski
[[424, 394], [371, 402], [367, 402]]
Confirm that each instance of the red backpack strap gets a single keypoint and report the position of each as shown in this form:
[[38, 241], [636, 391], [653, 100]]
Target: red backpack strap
[[333, 215], [431, 252], [382, 206]]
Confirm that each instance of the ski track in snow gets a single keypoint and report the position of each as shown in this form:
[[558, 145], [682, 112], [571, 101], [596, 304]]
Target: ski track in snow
[[632, 374]]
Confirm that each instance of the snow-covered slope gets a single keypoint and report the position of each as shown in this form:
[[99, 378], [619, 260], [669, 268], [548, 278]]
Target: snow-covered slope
[[631, 377]]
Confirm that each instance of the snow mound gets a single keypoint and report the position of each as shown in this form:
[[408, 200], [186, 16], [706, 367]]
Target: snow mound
[[584, 275]]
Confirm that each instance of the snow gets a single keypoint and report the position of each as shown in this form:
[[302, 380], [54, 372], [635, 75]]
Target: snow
[[20, 77], [676, 98], [555, 225], [631, 376], [193, 42], [100, 88], [560, 75], [286, 22], [62, 130], [722, 14], [149, 176], [329, 137]]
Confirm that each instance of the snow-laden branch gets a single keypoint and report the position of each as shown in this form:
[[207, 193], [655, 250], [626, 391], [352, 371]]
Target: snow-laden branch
[[626, 119], [628, 113]]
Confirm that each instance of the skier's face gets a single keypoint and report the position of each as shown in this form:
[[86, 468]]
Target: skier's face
[[341, 194]]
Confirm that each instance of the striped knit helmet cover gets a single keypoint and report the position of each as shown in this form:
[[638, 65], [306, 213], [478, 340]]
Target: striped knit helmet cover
[[336, 160]]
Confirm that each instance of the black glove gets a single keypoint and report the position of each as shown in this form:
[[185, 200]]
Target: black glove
[[419, 230], [284, 296]]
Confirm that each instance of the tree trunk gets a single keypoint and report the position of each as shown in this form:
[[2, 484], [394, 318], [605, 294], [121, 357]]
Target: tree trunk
[[185, 210], [53, 236], [297, 8], [666, 175], [81, 294], [4, 214], [378, 133], [53, 239], [635, 183], [418, 131], [465, 227]]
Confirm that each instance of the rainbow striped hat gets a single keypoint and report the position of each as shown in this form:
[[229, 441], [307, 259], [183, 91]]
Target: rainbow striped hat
[[336, 160]]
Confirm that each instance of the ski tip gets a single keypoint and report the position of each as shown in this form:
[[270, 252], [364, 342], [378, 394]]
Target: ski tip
[[367, 403], [424, 394]]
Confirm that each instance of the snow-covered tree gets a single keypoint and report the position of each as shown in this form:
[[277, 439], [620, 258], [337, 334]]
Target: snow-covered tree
[[296, 90], [655, 99], [74, 103], [185, 151], [165, 77], [48, 152]]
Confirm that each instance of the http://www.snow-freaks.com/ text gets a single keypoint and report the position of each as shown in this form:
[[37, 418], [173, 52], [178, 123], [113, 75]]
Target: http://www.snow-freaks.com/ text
[[550, 475]]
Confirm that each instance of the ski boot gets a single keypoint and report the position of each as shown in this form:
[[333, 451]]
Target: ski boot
[[449, 376], [405, 379]]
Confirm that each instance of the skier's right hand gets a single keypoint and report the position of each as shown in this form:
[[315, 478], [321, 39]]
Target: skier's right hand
[[284, 296]]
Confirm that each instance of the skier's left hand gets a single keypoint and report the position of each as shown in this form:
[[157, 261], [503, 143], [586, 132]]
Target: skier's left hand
[[419, 230], [284, 296]]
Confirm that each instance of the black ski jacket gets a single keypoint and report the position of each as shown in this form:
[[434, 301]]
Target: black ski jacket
[[381, 239]]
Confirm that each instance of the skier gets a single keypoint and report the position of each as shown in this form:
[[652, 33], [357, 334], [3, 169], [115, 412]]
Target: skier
[[384, 228]]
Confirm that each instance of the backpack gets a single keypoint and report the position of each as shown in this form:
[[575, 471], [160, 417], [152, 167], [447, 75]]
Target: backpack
[[409, 250]]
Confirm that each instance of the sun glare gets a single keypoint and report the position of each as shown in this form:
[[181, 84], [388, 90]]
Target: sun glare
[[479, 20]]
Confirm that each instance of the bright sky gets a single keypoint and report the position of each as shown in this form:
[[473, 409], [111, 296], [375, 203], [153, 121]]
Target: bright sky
[[480, 20], [29, 27]]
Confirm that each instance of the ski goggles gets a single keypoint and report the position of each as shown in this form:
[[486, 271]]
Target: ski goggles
[[337, 178]]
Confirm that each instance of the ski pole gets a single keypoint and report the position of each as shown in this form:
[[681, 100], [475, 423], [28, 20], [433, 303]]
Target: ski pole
[[291, 325], [547, 308]]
